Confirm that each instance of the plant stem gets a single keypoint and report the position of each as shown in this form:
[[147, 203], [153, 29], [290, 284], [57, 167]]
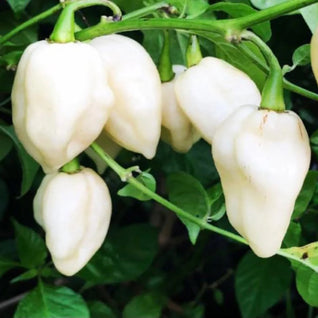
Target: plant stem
[[286, 83], [270, 13], [34, 20], [165, 66], [71, 167], [65, 26], [272, 95], [103, 28], [145, 11], [125, 174]]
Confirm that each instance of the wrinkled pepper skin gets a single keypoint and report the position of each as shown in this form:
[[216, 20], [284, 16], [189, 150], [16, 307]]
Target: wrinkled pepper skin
[[177, 129], [262, 158], [74, 210], [211, 90], [60, 101], [135, 121]]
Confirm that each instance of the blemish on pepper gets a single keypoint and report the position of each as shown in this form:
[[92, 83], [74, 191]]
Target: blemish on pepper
[[304, 256]]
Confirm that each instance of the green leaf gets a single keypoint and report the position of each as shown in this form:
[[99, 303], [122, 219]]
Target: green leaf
[[11, 59], [18, 5], [314, 142], [31, 247], [301, 57], [293, 235], [25, 276], [98, 309], [147, 305], [307, 285], [310, 15], [125, 255], [260, 283], [130, 191], [304, 255], [29, 166], [52, 302], [188, 193], [5, 146], [7, 264], [216, 201], [236, 10], [4, 197], [306, 194]]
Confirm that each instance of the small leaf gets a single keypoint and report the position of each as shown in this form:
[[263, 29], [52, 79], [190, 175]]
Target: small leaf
[[124, 256], [217, 202], [29, 166], [130, 191], [218, 296], [147, 305], [25, 276], [31, 247], [188, 193], [306, 194], [48, 302], [260, 283], [307, 285], [301, 57]]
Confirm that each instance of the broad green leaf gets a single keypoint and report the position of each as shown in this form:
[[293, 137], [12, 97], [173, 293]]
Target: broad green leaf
[[188, 193], [306, 194], [263, 4], [31, 247], [314, 143], [130, 191], [306, 255], [7, 264], [147, 305], [5, 146], [293, 235], [29, 166], [236, 10], [307, 285], [129, 6], [98, 309], [25, 276], [18, 5], [11, 59], [191, 311], [125, 255], [52, 302], [260, 283], [310, 15], [216, 201]]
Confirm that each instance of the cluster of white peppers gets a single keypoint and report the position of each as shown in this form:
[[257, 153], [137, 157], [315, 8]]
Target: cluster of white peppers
[[66, 95]]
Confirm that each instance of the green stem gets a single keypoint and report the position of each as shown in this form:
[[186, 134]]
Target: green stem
[[65, 26], [103, 28], [272, 94], [165, 66], [270, 13], [34, 20], [125, 174], [71, 167], [287, 84], [145, 11], [193, 53]]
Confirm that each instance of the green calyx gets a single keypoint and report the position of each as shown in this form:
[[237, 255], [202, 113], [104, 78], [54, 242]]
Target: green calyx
[[273, 93], [71, 167], [193, 53], [64, 29], [165, 65]]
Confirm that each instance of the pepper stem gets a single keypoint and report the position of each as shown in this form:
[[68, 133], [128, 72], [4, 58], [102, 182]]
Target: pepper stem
[[165, 66], [272, 94], [193, 54], [71, 167], [64, 29]]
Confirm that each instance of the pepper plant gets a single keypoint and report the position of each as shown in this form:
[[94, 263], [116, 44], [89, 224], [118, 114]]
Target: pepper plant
[[199, 117]]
